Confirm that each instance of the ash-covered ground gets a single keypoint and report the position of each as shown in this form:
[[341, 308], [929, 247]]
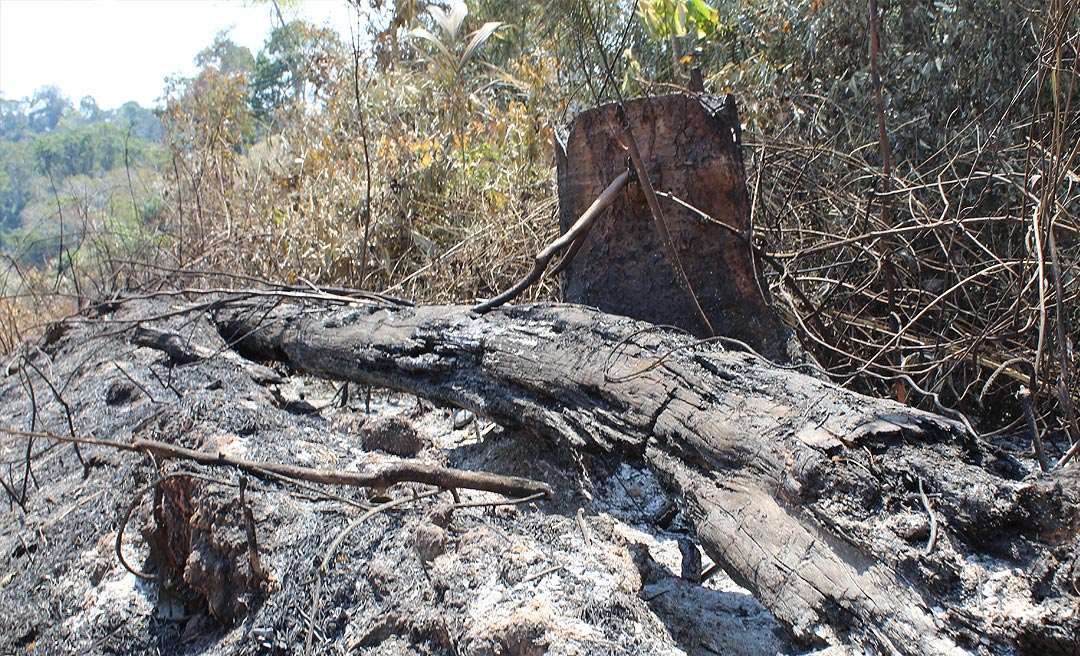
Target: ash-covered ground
[[293, 569]]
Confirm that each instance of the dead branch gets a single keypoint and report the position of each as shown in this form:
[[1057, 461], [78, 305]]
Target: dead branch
[[571, 240], [381, 476]]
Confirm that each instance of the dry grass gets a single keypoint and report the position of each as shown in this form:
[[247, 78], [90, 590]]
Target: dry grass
[[955, 289]]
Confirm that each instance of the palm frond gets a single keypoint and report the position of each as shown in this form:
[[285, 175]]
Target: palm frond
[[450, 23], [421, 33], [477, 39]]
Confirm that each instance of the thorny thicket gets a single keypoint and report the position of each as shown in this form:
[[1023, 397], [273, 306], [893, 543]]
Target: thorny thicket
[[937, 264]]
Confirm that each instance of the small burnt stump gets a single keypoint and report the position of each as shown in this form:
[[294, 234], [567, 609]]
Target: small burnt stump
[[691, 146]]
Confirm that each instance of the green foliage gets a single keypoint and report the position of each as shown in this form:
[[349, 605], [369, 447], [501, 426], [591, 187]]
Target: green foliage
[[17, 178], [69, 168], [89, 110], [141, 123], [74, 149], [227, 57], [292, 69], [665, 19], [47, 107], [14, 124]]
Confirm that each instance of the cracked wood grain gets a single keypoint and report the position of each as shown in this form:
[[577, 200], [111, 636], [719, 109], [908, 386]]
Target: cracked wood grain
[[804, 492]]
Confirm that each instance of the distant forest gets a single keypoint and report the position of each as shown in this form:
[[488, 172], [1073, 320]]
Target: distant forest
[[49, 148], [65, 169]]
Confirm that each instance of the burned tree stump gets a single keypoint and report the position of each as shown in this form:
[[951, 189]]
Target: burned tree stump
[[690, 145]]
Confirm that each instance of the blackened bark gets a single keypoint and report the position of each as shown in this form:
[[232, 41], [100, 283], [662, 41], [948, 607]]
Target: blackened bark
[[692, 148], [822, 502]]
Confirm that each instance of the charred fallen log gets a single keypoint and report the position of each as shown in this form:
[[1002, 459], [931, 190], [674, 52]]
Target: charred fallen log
[[848, 517]]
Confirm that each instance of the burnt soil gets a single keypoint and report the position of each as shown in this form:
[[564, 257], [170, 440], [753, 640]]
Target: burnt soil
[[597, 569]]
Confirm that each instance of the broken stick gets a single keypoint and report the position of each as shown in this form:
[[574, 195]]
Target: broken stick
[[381, 476], [572, 239]]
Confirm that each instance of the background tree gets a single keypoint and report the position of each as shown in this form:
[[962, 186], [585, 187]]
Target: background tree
[[13, 120], [47, 107], [142, 123], [89, 110], [227, 57], [16, 184], [292, 69]]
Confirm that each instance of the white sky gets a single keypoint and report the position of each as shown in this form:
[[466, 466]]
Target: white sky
[[121, 50]]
